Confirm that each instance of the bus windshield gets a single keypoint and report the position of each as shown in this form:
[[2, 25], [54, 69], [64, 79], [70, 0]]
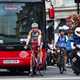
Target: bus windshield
[[16, 19]]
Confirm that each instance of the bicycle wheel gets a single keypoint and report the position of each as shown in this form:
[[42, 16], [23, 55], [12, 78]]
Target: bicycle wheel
[[34, 68], [61, 64]]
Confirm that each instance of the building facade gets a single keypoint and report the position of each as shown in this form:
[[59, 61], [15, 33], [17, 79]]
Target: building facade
[[63, 9]]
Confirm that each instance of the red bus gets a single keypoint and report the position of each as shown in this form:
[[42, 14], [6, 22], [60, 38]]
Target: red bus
[[16, 17]]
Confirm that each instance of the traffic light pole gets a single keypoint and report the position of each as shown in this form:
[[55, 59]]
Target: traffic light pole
[[77, 8]]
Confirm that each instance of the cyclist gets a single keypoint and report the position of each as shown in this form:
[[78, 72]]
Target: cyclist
[[34, 37], [61, 43]]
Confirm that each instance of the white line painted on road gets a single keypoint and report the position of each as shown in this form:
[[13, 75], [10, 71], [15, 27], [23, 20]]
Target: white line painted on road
[[64, 78], [53, 78]]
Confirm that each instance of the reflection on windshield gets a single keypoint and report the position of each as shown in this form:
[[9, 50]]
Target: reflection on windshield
[[16, 19], [8, 19]]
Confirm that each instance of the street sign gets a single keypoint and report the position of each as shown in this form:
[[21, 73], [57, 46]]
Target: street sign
[[77, 1]]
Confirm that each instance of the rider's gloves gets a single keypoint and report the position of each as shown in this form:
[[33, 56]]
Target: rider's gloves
[[74, 59], [25, 47]]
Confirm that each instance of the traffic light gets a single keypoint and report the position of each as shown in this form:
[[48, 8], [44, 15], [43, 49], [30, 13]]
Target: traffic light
[[51, 12], [77, 1]]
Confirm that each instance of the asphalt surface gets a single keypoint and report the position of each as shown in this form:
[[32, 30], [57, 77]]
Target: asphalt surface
[[52, 73]]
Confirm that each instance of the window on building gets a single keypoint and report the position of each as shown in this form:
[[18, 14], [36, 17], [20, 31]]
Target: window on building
[[57, 3], [69, 3], [62, 3]]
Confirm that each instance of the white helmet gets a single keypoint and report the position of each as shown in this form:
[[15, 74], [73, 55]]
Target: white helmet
[[34, 25]]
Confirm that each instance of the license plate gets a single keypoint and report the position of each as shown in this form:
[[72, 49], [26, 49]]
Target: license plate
[[10, 61]]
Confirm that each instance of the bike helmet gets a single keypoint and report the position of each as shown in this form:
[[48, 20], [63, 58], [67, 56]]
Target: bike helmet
[[34, 25]]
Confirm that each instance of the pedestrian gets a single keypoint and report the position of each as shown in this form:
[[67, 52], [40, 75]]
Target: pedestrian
[[69, 41]]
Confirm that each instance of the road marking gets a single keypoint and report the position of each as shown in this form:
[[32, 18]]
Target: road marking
[[57, 78], [40, 78]]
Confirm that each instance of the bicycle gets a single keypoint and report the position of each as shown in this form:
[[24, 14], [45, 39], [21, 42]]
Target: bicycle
[[34, 63], [60, 61]]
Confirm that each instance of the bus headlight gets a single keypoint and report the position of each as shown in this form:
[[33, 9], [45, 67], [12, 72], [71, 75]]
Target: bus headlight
[[23, 54]]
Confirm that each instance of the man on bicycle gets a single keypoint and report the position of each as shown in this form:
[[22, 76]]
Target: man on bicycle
[[61, 43], [34, 37]]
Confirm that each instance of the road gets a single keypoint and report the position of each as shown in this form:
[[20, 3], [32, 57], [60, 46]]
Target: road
[[52, 73]]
